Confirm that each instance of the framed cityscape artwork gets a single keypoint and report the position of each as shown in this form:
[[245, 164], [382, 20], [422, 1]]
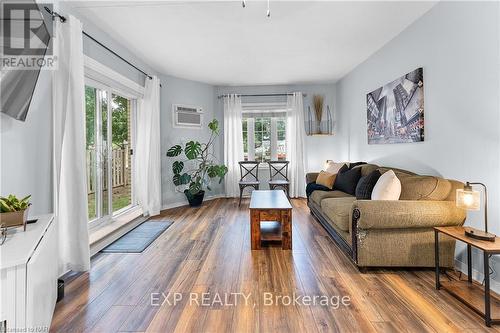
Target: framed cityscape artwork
[[395, 111]]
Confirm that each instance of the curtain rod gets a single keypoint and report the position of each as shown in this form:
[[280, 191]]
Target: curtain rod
[[117, 55], [261, 95], [63, 19]]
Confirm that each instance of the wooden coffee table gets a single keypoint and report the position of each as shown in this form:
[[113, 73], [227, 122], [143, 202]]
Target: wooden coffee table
[[271, 206]]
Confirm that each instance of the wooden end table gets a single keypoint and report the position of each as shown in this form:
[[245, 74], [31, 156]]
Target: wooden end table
[[270, 206], [466, 291]]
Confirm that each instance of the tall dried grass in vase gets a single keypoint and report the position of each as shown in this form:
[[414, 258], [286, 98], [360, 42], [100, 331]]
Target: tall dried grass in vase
[[318, 109]]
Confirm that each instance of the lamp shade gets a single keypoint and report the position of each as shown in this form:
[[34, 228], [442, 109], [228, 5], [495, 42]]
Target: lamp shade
[[468, 199]]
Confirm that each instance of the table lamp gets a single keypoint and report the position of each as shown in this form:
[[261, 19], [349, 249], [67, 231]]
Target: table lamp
[[469, 199]]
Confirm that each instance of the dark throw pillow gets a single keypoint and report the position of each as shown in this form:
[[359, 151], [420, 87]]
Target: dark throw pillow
[[311, 187], [347, 180], [355, 164], [366, 184], [343, 169]]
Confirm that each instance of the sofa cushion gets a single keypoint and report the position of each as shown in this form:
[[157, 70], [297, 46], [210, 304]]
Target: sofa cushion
[[326, 179], [346, 181], [338, 210], [425, 188], [400, 173], [388, 187], [366, 184], [366, 169], [318, 196]]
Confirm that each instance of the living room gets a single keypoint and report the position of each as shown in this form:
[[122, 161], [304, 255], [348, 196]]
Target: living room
[[272, 166]]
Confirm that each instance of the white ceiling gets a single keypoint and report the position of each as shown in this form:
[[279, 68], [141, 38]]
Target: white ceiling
[[222, 43]]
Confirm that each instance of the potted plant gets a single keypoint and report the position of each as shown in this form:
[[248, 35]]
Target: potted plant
[[204, 165], [14, 211]]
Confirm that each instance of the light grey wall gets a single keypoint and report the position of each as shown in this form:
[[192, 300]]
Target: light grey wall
[[181, 91], [26, 147], [26, 150], [457, 44]]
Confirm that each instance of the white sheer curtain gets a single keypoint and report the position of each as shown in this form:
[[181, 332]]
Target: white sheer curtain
[[295, 133], [148, 154], [233, 143], [70, 177]]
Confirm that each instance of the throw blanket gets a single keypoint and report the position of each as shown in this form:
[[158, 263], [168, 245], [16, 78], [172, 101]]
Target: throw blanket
[[311, 187]]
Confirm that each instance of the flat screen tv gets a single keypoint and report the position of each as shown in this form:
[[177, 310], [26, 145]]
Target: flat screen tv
[[25, 36]]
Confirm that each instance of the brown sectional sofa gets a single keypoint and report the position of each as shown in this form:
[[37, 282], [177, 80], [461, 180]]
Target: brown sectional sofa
[[392, 233]]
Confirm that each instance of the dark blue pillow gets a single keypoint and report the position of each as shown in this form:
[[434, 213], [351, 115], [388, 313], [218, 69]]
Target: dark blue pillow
[[366, 184]]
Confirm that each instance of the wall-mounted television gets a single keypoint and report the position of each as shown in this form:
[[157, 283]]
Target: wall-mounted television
[[25, 35]]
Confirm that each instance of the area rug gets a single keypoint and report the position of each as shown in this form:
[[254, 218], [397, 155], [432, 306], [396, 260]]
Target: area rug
[[139, 238]]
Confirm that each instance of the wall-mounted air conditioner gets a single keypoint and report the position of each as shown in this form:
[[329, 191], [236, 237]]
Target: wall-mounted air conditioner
[[186, 116]]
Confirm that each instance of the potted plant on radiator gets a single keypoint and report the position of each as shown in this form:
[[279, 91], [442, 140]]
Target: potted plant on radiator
[[201, 165], [14, 211]]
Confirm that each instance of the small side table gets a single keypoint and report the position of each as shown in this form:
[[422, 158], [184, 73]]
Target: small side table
[[466, 291]]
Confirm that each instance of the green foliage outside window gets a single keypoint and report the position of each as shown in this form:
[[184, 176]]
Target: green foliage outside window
[[119, 122]]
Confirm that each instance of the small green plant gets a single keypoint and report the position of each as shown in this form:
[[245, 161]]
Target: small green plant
[[12, 204], [201, 155]]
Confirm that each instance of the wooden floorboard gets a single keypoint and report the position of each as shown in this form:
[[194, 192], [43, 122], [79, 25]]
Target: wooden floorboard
[[207, 252]]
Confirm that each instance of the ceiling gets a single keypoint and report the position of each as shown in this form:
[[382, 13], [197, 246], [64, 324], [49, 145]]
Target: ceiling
[[222, 43]]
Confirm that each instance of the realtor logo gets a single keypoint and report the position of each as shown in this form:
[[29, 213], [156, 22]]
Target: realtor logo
[[27, 30]]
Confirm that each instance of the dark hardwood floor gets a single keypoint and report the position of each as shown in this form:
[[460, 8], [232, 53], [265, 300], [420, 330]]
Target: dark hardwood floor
[[207, 250]]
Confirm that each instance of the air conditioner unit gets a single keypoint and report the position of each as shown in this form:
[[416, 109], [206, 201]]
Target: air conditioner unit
[[186, 116]]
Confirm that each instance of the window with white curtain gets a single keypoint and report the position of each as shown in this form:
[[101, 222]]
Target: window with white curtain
[[264, 132]]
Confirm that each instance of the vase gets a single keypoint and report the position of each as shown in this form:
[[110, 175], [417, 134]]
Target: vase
[[319, 127]]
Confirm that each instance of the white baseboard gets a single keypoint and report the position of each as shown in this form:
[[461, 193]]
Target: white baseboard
[[185, 202], [477, 275]]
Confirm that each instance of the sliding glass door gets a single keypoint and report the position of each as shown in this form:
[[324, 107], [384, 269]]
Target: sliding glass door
[[109, 130]]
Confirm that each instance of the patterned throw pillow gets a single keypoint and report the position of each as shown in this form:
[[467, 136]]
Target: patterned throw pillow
[[366, 184]]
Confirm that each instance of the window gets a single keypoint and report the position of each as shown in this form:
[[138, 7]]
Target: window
[[264, 137]]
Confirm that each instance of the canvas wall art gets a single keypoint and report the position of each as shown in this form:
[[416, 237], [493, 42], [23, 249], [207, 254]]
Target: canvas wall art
[[395, 111]]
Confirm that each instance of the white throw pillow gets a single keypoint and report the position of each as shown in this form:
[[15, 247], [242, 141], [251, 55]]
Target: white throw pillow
[[333, 168], [388, 187]]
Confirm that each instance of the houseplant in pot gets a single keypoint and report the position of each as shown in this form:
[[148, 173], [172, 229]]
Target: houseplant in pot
[[14, 211], [194, 172]]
